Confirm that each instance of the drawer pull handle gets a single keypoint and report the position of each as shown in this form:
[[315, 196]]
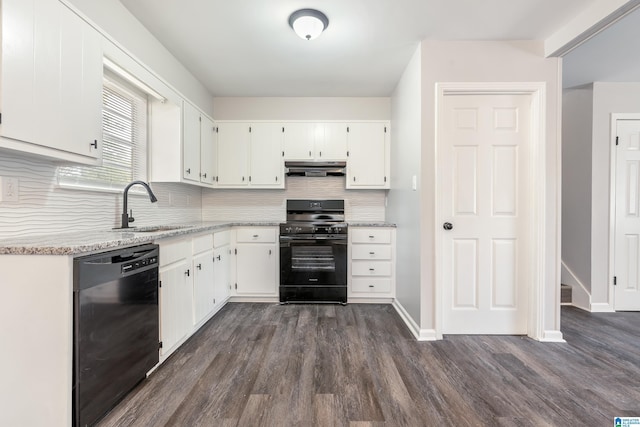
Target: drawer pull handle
[[255, 236], [371, 286], [372, 253], [372, 237], [372, 269]]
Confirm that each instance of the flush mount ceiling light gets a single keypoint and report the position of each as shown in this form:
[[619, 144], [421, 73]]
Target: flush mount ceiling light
[[308, 23]]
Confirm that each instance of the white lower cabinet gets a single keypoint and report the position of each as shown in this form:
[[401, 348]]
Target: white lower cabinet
[[176, 294], [371, 262], [203, 277], [194, 284], [221, 266], [255, 262]]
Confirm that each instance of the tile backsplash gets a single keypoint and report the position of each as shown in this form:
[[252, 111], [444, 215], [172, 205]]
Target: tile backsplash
[[44, 207]]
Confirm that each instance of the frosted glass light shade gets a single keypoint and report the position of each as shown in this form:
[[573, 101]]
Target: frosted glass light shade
[[308, 23]]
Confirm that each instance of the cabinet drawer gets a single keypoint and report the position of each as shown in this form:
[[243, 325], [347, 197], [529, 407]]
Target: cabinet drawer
[[202, 243], [256, 235], [371, 268], [374, 285], [221, 238], [370, 235], [371, 252], [172, 251]]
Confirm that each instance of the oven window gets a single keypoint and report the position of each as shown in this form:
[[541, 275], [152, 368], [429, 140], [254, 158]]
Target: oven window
[[317, 258]]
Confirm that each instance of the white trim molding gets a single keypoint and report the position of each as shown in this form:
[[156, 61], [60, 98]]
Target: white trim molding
[[539, 266], [419, 334]]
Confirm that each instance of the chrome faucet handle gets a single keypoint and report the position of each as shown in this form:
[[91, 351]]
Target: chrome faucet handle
[[131, 218]]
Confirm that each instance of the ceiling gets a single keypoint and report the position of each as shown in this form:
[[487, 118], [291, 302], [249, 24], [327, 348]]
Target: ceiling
[[246, 47]]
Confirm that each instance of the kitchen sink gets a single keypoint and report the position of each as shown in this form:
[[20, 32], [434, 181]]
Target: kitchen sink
[[152, 228]]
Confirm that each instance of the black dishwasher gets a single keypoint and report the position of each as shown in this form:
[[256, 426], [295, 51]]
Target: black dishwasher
[[115, 327]]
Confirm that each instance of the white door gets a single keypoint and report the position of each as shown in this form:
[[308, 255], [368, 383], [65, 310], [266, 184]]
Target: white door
[[627, 228], [483, 169]]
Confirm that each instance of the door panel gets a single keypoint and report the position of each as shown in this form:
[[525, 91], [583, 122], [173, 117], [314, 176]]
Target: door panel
[[483, 170], [627, 228]]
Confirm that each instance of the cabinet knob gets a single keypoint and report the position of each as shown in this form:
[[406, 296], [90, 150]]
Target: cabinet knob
[[218, 257], [188, 171], [94, 144], [199, 266], [204, 175], [187, 273]]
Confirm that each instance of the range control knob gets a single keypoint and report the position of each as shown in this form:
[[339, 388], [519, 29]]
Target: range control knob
[[287, 229]]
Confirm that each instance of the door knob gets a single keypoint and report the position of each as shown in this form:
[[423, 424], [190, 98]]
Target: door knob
[[447, 226]]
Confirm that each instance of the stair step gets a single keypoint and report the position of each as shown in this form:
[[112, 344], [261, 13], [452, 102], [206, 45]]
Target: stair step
[[565, 294]]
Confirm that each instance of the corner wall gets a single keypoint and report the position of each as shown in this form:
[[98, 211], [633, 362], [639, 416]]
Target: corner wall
[[403, 205], [577, 113]]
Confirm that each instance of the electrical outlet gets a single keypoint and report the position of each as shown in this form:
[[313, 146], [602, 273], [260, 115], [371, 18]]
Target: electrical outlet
[[10, 189]]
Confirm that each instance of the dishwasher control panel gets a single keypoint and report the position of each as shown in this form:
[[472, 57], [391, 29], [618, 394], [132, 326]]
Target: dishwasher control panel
[[134, 265]]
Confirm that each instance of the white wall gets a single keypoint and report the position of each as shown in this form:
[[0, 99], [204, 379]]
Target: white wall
[[577, 107], [302, 108], [492, 62], [403, 205], [608, 98], [113, 18]]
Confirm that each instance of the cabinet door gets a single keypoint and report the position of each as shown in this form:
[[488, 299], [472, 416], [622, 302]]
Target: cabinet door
[[176, 304], [191, 142], [267, 166], [222, 286], [299, 141], [331, 143], [51, 77], [203, 285], [80, 86], [256, 269], [208, 148], [233, 154], [367, 166]]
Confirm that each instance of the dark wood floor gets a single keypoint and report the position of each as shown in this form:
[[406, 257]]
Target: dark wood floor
[[307, 365]]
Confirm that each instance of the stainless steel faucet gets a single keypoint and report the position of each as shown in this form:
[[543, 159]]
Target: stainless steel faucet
[[127, 218]]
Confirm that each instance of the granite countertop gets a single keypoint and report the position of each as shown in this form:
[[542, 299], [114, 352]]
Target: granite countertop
[[86, 242], [371, 224]]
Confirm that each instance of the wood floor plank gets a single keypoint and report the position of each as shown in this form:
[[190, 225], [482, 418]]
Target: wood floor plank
[[358, 365]]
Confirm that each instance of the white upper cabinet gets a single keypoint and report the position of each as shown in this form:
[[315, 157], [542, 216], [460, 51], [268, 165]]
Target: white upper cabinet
[[315, 141], [191, 142], [299, 141], [331, 141], [208, 151], [51, 81], [368, 161], [233, 154], [250, 155], [182, 143], [266, 164]]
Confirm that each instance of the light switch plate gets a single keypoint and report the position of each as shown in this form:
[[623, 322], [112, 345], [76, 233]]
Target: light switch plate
[[10, 189]]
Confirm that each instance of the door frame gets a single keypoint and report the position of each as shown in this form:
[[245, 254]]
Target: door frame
[[537, 197], [611, 290]]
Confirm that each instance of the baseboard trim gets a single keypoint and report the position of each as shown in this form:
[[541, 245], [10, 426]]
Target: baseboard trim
[[601, 307], [419, 334], [580, 297], [552, 336]]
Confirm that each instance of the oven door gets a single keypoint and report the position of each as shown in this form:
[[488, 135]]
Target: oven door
[[313, 269]]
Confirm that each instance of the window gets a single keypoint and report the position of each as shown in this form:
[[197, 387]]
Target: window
[[124, 140]]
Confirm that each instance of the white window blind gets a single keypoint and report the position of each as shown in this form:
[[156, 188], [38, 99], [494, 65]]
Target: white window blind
[[124, 141]]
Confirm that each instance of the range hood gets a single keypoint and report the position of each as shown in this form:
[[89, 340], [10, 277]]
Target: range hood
[[314, 168]]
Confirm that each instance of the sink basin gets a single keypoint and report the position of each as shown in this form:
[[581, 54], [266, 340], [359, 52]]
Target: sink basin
[[152, 228]]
